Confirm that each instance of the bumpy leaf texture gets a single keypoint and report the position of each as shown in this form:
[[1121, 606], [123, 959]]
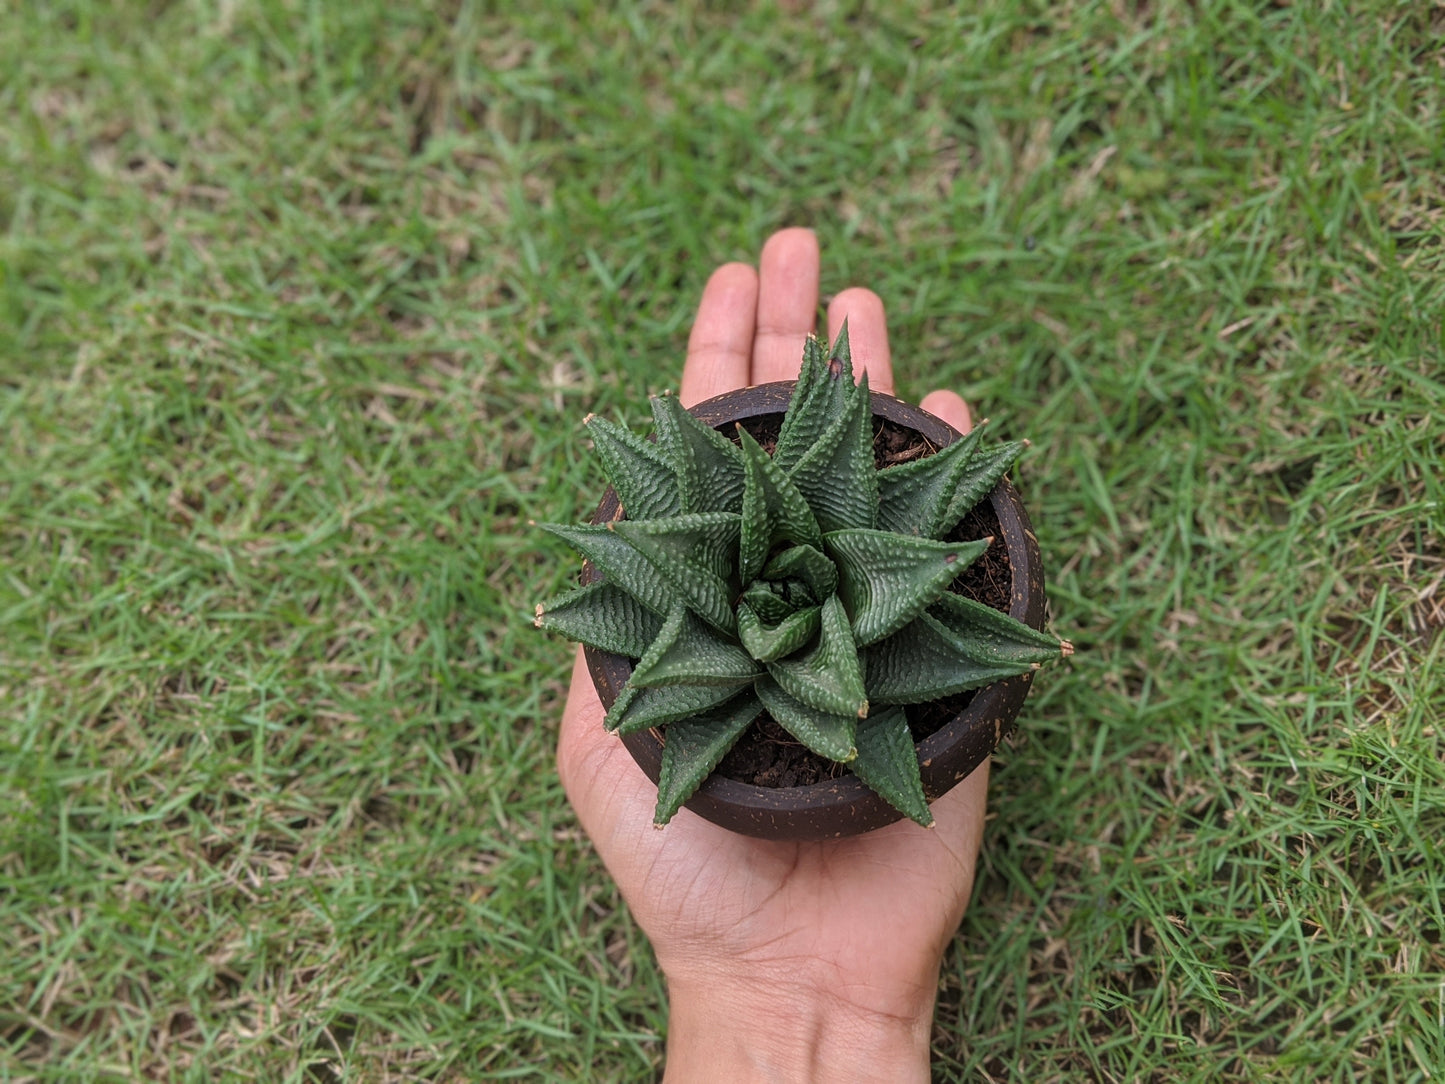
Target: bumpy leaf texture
[[805, 583]]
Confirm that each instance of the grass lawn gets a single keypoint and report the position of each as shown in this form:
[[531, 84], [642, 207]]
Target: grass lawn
[[301, 306]]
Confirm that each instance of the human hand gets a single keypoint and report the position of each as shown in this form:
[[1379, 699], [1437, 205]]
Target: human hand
[[784, 960]]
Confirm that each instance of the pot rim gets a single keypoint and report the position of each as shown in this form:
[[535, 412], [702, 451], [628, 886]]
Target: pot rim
[[846, 805]]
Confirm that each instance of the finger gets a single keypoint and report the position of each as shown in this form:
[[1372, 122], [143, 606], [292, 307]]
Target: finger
[[787, 304], [721, 343], [950, 407], [867, 335]]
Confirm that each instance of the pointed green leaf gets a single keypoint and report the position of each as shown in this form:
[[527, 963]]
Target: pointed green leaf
[[888, 763], [827, 735], [692, 748], [619, 707], [828, 677], [914, 498], [886, 580], [925, 660], [817, 402], [773, 510], [688, 652], [765, 644], [645, 481], [837, 474], [992, 637], [840, 358], [984, 470], [623, 565], [665, 704], [807, 564], [709, 466], [692, 554], [767, 601], [603, 615]]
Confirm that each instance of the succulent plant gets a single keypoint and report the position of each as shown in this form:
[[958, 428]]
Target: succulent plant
[[806, 583]]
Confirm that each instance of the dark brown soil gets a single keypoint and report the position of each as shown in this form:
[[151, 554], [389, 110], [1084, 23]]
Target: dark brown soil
[[767, 755]]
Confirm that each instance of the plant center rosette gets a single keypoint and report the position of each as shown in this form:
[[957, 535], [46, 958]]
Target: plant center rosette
[[807, 584]]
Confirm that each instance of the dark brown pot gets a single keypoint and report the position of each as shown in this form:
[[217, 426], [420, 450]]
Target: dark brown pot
[[845, 806]]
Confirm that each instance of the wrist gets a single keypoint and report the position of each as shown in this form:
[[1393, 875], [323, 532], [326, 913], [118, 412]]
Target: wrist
[[723, 1031]]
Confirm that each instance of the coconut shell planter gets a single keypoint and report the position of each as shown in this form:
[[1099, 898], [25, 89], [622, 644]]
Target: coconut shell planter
[[808, 609]]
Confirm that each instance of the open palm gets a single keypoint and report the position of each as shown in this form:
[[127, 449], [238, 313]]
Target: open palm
[[863, 919]]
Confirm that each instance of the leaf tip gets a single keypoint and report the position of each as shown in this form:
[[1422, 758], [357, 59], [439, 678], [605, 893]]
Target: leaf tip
[[862, 710], [1066, 648], [537, 617]]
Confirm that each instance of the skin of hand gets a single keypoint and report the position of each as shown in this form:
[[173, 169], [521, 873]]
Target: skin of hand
[[784, 961]]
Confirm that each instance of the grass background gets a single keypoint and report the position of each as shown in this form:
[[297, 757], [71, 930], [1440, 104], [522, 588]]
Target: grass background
[[301, 305]]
